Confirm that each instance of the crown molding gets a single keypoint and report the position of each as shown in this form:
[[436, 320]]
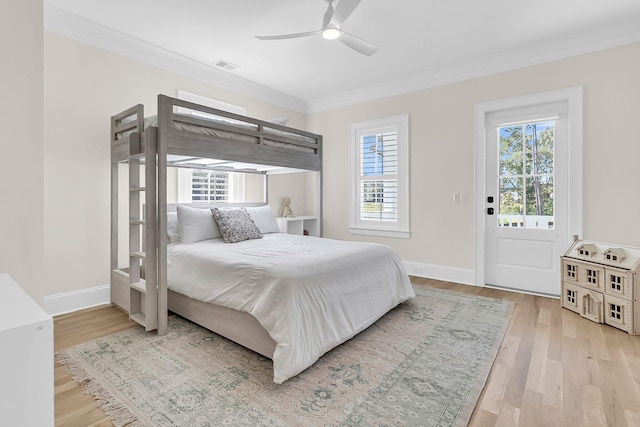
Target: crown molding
[[73, 26], [68, 24], [534, 54]]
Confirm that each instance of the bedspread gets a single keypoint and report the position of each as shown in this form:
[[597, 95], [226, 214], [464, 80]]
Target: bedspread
[[310, 294]]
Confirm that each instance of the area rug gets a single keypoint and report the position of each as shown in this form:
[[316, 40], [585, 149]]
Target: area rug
[[422, 364]]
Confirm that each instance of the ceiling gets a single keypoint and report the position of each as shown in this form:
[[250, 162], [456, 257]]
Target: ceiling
[[421, 43]]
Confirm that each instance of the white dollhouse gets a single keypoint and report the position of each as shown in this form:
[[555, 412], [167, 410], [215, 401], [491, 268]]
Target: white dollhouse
[[600, 282]]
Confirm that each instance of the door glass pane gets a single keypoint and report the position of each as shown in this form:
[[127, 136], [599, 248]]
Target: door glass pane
[[525, 175], [511, 150], [539, 148], [511, 192], [539, 212]]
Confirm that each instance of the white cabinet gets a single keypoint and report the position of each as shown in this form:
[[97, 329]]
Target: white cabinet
[[298, 225], [26, 359]]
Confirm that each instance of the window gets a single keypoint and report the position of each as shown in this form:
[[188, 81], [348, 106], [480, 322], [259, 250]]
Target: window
[[616, 282], [615, 312], [526, 175], [210, 186], [379, 185], [571, 296]]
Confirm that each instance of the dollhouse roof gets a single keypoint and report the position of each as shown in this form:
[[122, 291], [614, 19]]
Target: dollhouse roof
[[617, 252], [587, 249]]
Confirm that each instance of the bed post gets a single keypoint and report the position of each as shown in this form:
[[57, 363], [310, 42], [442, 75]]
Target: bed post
[[114, 211], [320, 187], [165, 110]]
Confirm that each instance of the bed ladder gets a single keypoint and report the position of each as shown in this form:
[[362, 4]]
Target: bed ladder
[[143, 267]]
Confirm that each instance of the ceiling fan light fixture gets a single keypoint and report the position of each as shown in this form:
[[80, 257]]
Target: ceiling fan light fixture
[[331, 33]]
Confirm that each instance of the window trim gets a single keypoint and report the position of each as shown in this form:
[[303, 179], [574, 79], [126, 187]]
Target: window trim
[[400, 229]]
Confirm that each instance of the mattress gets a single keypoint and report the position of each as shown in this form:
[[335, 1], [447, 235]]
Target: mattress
[[235, 136], [310, 294]]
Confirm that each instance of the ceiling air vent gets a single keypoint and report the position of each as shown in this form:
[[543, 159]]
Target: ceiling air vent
[[226, 65]]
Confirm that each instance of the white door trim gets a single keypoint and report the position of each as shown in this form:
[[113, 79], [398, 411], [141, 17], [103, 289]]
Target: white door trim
[[573, 96]]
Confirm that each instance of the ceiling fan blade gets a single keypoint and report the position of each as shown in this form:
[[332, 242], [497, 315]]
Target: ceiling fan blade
[[356, 43], [328, 15], [288, 36], [344, 9]]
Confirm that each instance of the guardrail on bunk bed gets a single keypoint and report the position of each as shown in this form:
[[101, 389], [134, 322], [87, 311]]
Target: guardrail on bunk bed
[[182, 128], [192, 128]]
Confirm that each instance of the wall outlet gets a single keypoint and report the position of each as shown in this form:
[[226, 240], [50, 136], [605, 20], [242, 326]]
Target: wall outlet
[[456, 197]]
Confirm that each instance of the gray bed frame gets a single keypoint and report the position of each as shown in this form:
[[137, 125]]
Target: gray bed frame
[[141, 288]]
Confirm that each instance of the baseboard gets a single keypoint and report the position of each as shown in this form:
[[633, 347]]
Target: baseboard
[[465, 276], [76, 300], [523, 291]]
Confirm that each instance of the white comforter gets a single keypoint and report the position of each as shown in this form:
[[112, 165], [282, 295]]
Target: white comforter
[[309, 293]]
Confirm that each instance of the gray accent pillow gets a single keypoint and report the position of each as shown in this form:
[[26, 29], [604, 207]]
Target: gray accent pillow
[[236, 224]]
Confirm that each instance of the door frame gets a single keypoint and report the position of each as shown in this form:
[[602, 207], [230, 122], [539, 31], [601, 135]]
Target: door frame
[[573, 98]]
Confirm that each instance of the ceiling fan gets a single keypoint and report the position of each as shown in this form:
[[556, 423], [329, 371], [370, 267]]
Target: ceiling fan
[[331, 28]]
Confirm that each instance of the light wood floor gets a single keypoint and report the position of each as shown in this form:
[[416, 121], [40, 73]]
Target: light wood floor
[[554, 368]]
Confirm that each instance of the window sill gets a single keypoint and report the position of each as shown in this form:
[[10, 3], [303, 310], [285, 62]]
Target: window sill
[[380, 233]]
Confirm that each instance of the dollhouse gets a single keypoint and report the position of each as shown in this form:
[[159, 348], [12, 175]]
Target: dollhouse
[[600, 282]]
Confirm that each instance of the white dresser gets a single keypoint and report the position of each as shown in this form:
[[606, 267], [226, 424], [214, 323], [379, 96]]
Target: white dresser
[[26, 359], [600, 282]]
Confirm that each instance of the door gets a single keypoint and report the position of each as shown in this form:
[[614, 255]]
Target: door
[[526, 197]]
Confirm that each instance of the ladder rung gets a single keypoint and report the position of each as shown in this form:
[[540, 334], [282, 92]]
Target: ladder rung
[[140, 255], [137, 188], [137, 221], [140, 318], [139, 286]]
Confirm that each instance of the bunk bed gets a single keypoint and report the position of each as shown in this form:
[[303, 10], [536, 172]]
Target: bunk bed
[[184, 134]]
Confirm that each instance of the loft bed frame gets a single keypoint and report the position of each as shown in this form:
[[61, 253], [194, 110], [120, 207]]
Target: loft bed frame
[[189, 135]]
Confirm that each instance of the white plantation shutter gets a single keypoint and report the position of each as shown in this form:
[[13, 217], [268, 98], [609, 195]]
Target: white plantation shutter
[[379, 176], [379, 179], [209, 186]]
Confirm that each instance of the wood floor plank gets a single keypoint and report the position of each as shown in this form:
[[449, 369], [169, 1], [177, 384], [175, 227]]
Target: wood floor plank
[[554, 368], [493, 394], [508, 417]]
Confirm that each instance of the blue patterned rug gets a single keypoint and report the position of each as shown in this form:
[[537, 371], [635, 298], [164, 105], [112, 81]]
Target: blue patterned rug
[[423, 364]]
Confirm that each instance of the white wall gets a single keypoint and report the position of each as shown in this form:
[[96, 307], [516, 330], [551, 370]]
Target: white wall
[[84, 87], [21, 144], [294, 187], [442, 153]]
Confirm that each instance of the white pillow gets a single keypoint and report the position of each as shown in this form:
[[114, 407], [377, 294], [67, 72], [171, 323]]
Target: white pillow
[[173, 230], [196, 224], [264, 218]]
